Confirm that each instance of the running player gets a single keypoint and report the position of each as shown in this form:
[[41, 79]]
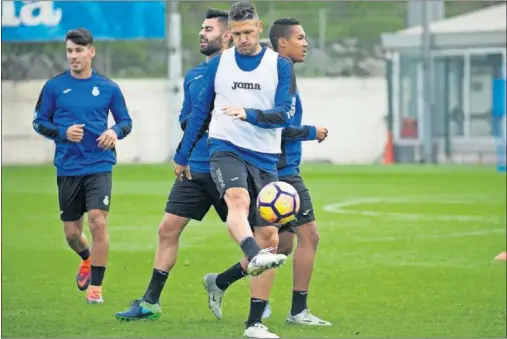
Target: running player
[[72, 110]]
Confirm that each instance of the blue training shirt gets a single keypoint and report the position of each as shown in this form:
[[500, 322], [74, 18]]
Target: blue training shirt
[[291, 142], [192, 85], [65, 101], [277, 117]]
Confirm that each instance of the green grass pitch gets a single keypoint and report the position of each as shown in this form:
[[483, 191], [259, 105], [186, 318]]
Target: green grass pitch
[[404, 252]]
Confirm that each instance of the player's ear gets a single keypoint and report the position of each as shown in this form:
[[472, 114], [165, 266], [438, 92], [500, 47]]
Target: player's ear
[[260, 26], [282, 42], [226, 38], [92, 51]]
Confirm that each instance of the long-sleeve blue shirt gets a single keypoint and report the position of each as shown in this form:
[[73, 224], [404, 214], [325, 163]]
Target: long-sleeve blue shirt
[[291, 143], [192, 85], [277, 117], [65, 101]]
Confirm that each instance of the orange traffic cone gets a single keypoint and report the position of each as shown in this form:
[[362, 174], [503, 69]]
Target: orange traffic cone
[[501, 256], [389, 150]]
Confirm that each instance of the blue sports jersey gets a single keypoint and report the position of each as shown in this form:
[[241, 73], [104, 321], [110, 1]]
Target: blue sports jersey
[[192, 85], [65, 101], [291, 142], [276, 117]]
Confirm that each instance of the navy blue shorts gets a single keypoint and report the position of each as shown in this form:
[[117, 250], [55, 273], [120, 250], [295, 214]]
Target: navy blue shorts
[[306, 213], [80, 194], [229, 171], [193, 198]]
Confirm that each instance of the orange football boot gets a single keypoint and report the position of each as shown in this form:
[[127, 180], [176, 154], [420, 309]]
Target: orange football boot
[[84, 274], [94, 295]]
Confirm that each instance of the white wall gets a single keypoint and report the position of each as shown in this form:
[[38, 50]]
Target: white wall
[[352, 109]]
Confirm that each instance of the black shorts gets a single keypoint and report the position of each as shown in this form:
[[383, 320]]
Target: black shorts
[[306, 213], [229, 171], [193, 198], [81, 194]]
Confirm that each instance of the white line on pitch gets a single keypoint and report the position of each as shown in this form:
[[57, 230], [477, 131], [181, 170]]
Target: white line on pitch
[[341, 207]]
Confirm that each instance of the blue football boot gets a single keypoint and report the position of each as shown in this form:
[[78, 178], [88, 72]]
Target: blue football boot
[[140, 309]]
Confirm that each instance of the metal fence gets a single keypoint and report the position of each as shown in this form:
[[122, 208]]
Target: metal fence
[[344, 40]]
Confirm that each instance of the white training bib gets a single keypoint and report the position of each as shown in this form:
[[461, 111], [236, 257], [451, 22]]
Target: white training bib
[[255, 89]]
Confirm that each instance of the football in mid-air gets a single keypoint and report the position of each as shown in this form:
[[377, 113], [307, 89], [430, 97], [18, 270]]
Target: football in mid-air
[[278, 203]]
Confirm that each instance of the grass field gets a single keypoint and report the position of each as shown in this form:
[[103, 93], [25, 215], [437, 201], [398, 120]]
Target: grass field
[[404, 252]]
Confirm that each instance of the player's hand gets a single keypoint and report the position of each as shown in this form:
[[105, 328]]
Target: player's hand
[[107, 140], [181, 171], [235, 112], [75, 133], [321, 134]]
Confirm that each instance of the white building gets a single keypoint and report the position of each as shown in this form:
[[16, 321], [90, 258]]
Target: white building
[[468, 53]]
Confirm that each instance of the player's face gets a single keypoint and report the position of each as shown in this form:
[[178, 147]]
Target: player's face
[[297, 45], [79, 57], [245, 35], [211, 36]]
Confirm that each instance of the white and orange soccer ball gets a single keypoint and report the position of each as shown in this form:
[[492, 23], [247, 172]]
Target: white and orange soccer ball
[[278, 203]]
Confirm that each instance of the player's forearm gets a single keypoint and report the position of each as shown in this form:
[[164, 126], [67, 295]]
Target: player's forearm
[[196, 123], [49, 130], [285, 101], [277, 117], [185, 112], [195, 127], [123, 128], [300, 133]]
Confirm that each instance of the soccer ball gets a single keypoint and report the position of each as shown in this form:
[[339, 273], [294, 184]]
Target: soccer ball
[[278, 203]]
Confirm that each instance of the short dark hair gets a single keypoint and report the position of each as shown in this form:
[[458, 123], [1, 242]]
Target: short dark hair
[[281, 29], [243, 10], [80, 36], [221, 15]]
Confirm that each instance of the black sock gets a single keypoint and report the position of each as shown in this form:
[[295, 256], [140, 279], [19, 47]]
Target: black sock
[[298, 302], [155, 287], [97, 275], [257, 307], [85, 254], [228, 277], [250, 247]]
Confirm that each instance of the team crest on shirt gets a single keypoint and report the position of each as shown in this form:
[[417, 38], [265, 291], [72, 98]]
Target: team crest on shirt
[[106, 200], [95, 91]]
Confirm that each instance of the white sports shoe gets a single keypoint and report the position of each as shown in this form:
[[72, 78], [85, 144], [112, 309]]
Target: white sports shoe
[[267, 311], [306, 318], [258, 331], [264, 261], [215, 294]]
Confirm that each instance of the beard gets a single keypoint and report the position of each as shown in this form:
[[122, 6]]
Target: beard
[[213, 47]]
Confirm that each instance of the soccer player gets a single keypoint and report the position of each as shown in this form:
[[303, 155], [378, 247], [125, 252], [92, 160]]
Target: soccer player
[[288, 39], [72, 110], [252, 90], [188, 199]]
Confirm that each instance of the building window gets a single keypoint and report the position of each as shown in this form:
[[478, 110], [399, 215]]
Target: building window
[[448, 115], [484, 69]]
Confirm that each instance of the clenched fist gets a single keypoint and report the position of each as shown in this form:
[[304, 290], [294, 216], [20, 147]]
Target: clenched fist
[[75, 133], [321, 134]]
